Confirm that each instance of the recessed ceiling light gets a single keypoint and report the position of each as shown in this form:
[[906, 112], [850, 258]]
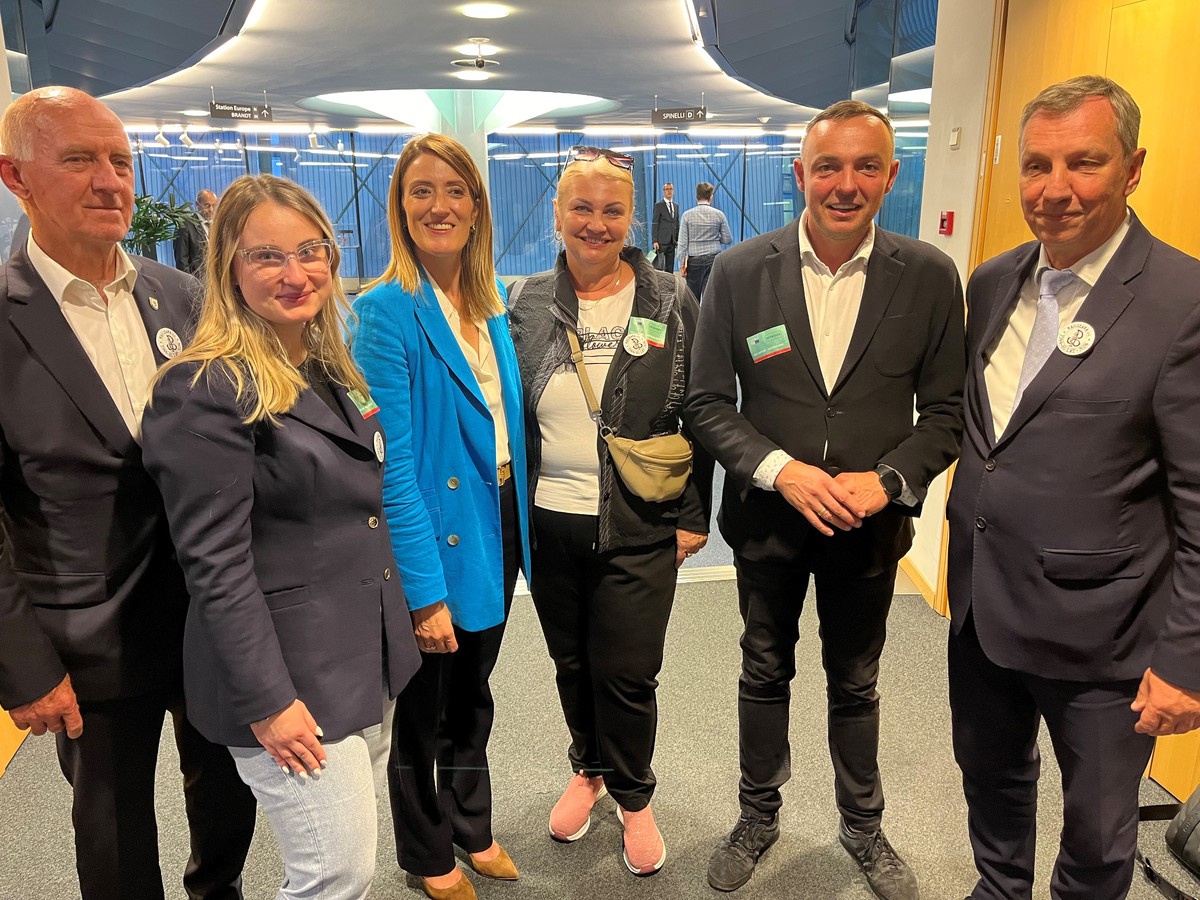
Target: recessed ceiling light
[[485, 11], [473, 75], [195, 113], [484, 49]]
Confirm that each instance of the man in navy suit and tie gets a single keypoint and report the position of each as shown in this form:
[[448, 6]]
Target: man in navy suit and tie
[[92, 600], [665, 229], [1074, 572]]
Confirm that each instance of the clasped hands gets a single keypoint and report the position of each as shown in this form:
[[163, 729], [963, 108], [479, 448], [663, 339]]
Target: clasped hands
[[830, 502], [433, 629]]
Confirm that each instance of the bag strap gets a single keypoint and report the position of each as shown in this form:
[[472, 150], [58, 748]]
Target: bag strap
[[586, 384], [1159, 812]]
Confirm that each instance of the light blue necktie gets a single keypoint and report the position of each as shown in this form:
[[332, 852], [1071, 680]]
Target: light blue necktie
[[1044, 337]]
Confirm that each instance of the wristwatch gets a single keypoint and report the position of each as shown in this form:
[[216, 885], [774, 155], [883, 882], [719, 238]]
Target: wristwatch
[[893, 485]]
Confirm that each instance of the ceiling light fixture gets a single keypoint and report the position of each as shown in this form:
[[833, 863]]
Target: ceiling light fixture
[[477, 61], [186, 140], [485, 11], [477, 45], [313, 141], [195, 113], [472, 75], [161, 139]]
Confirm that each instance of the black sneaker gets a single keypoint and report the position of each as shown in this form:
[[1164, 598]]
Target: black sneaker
[[732, 863], [888, 875]]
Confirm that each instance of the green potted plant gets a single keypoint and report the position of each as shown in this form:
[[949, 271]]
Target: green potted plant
[[154, 221]]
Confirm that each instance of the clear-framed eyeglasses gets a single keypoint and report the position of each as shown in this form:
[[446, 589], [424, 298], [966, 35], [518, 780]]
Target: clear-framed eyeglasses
[[313, 256]]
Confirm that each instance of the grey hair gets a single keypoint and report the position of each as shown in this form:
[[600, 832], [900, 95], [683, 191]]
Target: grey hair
[[20, 119], [1067, 96]]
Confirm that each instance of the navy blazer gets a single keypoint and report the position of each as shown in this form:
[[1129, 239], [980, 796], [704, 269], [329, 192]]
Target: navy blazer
[[907, 346], [88, 580], [281, 534], [1075, 537]]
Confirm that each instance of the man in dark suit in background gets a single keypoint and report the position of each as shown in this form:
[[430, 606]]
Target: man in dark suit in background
[[665, 229], [191, 241], [832, 327], [92, 601], [1074, 571]]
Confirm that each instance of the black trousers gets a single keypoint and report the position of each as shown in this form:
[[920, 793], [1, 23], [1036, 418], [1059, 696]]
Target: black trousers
[[665, 260], [699, 268], [853, 626], [996, 714], [438, 780], [605, 620], [110, 768]]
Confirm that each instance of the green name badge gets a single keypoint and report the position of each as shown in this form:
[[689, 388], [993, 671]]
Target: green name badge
[[769, 343], [654, 332], [365, 405]]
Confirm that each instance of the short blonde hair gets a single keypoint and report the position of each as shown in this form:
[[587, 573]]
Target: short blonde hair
[[231, 333], [481, 297], [845, 110]]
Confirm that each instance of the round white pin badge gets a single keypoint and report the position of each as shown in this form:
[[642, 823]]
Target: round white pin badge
[[1076, 338], [169, 344], [379, 446], [635, 344]]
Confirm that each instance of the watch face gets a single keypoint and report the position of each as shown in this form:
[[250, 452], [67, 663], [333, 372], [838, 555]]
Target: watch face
[[891, 483]]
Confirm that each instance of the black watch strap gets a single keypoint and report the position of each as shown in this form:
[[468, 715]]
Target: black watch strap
[[892, 483]]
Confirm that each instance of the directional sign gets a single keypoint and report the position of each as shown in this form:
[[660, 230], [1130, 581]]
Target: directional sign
[[245, 112], [677, 116]]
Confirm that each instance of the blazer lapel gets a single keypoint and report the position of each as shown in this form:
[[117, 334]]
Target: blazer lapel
[[34, 312], [1007, 290], [165, 327], [883, 275], [312, 411], [444, 344], [787, 278]]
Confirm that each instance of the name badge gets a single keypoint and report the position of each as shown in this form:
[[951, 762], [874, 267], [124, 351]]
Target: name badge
[[379, 449], [769, 343], [654, 332], [365, 405]]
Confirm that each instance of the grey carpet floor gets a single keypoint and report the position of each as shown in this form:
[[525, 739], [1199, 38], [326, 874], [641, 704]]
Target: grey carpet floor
[[696, 763]]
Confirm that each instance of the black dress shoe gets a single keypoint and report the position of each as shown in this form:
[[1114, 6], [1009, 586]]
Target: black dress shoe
[[888, 875], [732, 863]]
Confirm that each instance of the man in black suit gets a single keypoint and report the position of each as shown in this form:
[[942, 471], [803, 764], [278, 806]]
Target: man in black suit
[[832, 327], [92, 601], [191, 241], [1074, 565], [665, 229]]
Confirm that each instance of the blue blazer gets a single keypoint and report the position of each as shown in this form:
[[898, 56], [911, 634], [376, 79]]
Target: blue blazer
[[439, 486], [286, 555]]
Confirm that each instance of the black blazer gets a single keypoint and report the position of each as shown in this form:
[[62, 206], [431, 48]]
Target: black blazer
[[664, 230], [190, 245], [281, 534], [1075, 537], [907, 345], [88, 581]]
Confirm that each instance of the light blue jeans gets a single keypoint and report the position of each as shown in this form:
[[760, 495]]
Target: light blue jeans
[[326, 827]]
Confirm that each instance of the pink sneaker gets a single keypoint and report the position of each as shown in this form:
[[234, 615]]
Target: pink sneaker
[[572, 814], [644, 850]]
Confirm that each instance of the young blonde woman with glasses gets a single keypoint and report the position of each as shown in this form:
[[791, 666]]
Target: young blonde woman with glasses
[[262, 439]]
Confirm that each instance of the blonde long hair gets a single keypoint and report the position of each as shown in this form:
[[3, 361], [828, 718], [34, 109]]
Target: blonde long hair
[[481, 299], [230, 333]]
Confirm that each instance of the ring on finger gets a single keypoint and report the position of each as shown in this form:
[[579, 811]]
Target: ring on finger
[[824, 513]]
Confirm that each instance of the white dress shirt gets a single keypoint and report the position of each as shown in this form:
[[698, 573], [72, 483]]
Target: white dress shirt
[[484, 368], [109, 326], [1007, 352]]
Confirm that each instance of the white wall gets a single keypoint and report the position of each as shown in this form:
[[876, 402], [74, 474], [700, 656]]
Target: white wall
[[952, 177]]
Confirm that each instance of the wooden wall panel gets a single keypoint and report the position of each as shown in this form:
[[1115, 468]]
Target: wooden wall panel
[[10, 740]]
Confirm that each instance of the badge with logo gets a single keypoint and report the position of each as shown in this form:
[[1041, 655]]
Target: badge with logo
[[154, 303], [635, 344], [169, 344], [654, 332], [1076, 338], [365, 405], [769, 343], [379, 445]]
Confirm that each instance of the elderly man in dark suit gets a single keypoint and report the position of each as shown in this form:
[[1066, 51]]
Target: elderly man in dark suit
[[833, 327], [92, 601], [1075, 512], [191, 241], [664, 231]]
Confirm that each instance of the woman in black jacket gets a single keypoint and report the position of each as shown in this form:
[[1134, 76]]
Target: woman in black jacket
[[605, 559]]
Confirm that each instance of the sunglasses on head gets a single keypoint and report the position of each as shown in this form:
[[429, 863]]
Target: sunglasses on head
[[581, 153]]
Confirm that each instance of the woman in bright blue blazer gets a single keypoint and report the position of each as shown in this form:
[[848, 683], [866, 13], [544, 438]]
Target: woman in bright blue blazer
[[432, 340]]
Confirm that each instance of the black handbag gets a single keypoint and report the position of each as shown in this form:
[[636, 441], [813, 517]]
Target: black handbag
[[1183, 840]]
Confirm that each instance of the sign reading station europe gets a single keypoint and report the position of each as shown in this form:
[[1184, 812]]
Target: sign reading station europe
[[676, 116], [246, 112]]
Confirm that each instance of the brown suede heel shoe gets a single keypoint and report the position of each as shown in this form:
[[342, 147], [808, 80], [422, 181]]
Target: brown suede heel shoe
[[501, 868], [460, 890]]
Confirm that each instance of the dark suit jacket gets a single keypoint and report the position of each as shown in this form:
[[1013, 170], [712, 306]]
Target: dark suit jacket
[[281, 535], [907, 343], [190, 245], [664, 230], [1075, 538], [88, 580]]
